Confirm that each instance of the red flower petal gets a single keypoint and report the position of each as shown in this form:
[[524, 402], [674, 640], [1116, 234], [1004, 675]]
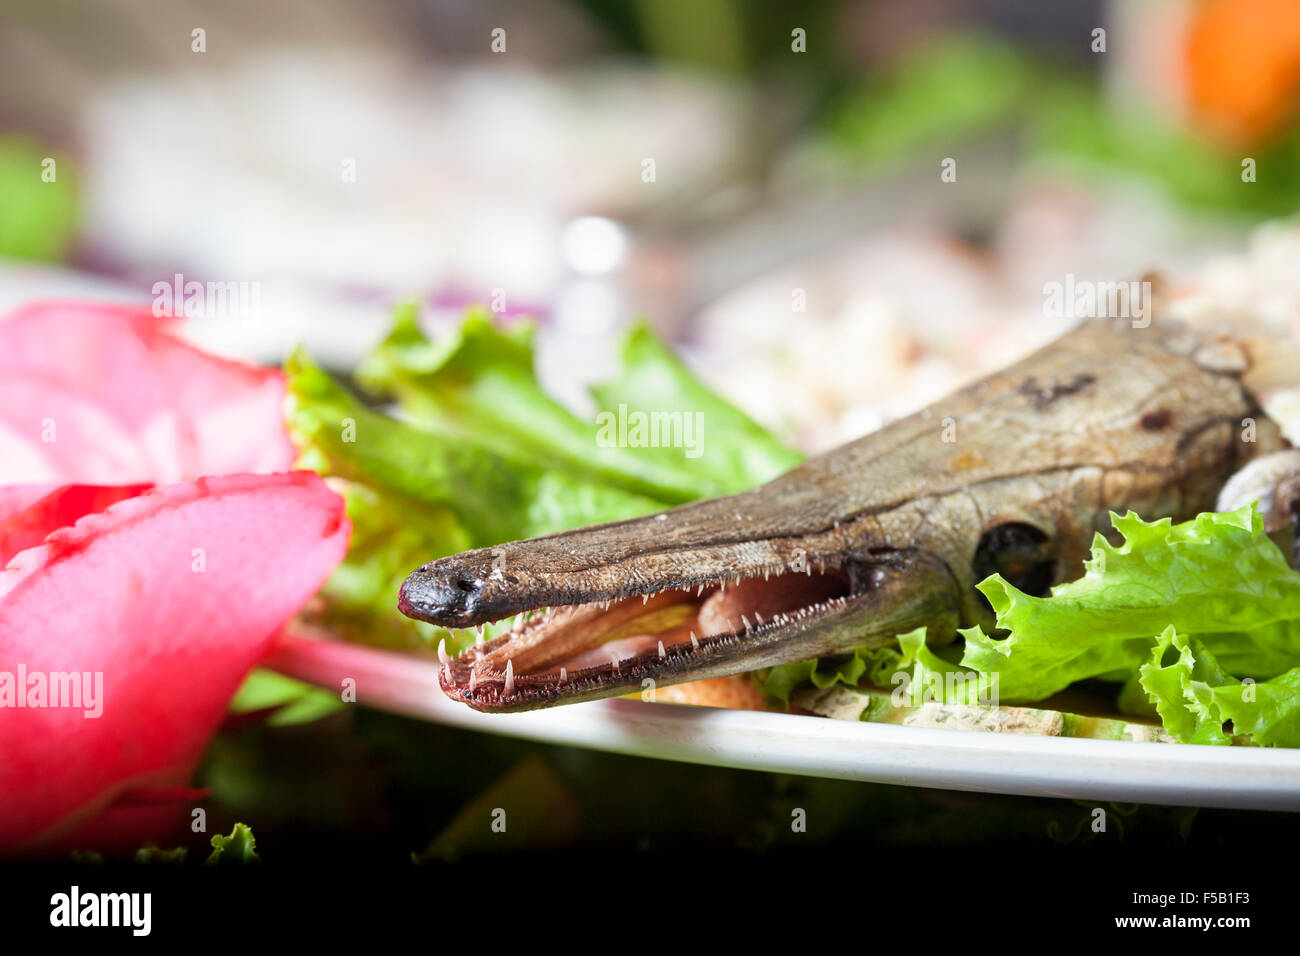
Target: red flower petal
[[14, 498], [187, 413], [173, 596], [51, 508]]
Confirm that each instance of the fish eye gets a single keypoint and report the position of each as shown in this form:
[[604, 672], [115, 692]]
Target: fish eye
[[1021, 553]]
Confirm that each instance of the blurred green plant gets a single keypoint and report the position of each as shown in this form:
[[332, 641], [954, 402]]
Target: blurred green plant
[[950, 88], [1074, 123], [947, 87], [38, 214]]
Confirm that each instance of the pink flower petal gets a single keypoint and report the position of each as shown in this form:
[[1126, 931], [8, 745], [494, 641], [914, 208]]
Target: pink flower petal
[[173, 596], [189, 413], [50, 431], [50, 508]]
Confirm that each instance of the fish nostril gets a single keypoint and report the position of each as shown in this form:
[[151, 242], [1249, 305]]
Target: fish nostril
[[468, 584]]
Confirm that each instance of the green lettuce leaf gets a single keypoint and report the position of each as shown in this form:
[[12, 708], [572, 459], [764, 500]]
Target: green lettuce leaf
[[1180, 689], [479, 381], [494, 498], [912, 665], [151, 853], [1180, 613], [1200, 703], [1218, 577], [877, 665], [735, 453], [238, 848]]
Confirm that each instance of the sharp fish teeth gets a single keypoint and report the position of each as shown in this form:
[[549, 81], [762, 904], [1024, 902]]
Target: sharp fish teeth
[[695, 641], [482, 629], [746, 620], [661, 650], [442, 651], [510, 677], [473, 678], [564, 674], [645, 598]]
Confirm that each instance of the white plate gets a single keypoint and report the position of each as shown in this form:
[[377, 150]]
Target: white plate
[[1104, 770]]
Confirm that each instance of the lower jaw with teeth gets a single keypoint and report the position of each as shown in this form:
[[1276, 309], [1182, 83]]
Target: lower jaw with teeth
[[583, 651]]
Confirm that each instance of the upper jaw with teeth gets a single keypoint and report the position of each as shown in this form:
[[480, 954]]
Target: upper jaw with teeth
[[607, 645]]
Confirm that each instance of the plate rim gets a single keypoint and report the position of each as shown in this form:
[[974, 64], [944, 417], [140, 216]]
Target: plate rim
[[1255, 778]]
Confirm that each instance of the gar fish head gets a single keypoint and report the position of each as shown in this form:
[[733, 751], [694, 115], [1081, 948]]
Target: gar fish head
[[1013, 474]]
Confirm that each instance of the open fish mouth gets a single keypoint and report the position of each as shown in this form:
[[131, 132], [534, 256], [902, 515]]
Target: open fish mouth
[[601, 642]]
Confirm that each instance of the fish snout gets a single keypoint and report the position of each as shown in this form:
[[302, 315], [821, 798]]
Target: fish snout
[[446, 593]]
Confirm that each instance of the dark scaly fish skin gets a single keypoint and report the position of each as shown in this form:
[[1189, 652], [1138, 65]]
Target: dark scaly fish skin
[[1015, 471]]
